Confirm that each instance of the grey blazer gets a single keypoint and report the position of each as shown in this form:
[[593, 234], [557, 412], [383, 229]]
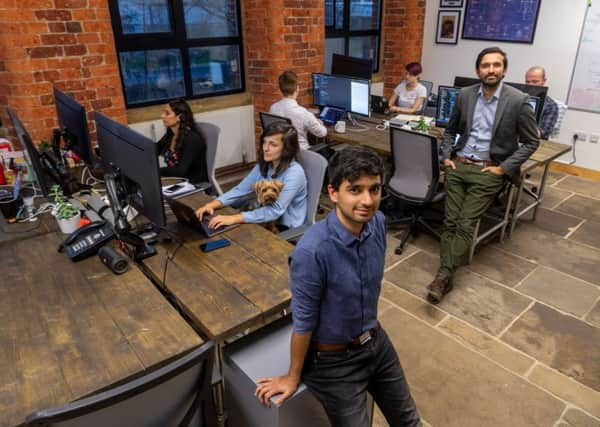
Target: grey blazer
[[514, 133]]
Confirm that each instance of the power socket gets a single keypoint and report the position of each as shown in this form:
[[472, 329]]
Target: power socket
[[581, 135], [594, 138]]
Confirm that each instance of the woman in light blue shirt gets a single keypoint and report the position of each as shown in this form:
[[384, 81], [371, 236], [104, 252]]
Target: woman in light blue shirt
[[276, 160]]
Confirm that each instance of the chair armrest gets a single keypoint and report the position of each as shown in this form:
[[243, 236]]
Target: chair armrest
[[293, 233], [318, 147]]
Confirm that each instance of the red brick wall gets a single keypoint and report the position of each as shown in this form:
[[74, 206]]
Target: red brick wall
[[281, 35], [66, 43], [403, 22]]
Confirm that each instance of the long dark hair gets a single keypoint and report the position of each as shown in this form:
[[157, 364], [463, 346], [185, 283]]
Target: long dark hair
[[186, 124], [291, 147]]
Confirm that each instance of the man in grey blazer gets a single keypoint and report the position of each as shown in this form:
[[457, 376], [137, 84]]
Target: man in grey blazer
[[498, 133]]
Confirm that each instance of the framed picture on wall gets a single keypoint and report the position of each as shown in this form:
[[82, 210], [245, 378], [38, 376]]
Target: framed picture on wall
[[447, 27], [512, 21], [451, 3]]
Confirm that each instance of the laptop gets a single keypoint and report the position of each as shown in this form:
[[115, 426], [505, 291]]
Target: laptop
[[186, 215], [331, 115]]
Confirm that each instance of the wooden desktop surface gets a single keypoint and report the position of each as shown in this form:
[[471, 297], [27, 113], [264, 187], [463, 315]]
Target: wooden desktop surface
[[379, 140], [73, 329], [230, 289]]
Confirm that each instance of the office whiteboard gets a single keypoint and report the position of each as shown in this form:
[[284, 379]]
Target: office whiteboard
[[584, 90]]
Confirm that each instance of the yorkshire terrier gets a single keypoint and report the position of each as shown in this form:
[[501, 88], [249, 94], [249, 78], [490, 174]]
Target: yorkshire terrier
[[267, 193]]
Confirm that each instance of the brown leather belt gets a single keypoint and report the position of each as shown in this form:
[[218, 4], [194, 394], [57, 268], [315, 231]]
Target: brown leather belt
[[357, 342], [484, 163]]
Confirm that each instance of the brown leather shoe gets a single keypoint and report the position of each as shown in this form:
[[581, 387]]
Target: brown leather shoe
[[441, 285]]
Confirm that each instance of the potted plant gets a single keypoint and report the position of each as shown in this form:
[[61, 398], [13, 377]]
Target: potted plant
[[66, 214]]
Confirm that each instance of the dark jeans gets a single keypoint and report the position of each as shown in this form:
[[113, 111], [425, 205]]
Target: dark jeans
[[341, 379], [469, 192]]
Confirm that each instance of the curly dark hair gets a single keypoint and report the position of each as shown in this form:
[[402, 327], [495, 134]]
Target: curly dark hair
[[291, 147], [353, 162]]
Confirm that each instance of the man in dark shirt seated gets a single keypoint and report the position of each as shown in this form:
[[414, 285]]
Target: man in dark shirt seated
[[338, 348], [536, 76]]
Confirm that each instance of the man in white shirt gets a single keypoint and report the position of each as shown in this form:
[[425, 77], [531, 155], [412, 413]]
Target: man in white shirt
[[302, 119]]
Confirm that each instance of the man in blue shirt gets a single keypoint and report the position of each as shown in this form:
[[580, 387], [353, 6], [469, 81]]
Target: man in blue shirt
[[338, 348], [536, 76]]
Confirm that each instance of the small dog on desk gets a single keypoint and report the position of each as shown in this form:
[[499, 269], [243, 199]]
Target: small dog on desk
[[267, 193]]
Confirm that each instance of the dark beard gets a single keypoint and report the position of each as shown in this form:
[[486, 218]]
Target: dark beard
[[492, 86]]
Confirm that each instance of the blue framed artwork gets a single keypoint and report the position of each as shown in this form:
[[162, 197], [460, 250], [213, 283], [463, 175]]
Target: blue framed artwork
[[501, 20]]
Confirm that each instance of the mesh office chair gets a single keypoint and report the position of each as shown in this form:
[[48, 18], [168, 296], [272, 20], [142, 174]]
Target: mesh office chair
[[415, 178], [429, 86], [314, 166], [177, 394], [562, 110], [211, 135]]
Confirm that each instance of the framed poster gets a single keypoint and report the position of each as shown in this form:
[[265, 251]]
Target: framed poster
[[451, 3], [502, 20], [447, 27]]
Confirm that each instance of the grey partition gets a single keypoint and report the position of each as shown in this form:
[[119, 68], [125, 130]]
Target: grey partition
[[262, 354]]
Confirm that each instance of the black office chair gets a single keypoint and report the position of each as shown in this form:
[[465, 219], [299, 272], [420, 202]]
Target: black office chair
[[415, 178], [267, 119], [429, 87], [177, 394]]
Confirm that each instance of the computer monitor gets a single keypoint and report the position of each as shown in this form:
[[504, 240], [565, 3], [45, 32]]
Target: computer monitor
[[32, 152], [460, 82], [133, 158], [73, 123], [539, 91], [351, 66], [348, 93], [267, 119], [445, 104]]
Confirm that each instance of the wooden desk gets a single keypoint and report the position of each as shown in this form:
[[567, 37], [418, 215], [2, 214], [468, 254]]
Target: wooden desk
[[73, 329], [46, 223], [228, 290]]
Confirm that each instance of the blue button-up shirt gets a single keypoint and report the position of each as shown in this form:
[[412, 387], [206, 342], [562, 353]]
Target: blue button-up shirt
[[291, 205], [336, 279], [478, 143]]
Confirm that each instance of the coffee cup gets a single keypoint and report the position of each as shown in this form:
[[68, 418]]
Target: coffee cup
[[340, 127]]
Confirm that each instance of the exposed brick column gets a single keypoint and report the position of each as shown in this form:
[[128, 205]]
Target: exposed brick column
[[403, 22], [281, 35], [66, 43]]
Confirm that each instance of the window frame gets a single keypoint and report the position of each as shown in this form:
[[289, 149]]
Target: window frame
[[332, 33], [175, 39]]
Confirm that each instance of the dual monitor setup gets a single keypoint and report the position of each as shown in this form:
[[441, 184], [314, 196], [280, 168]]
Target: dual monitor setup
[[346, 90], [447, 96], [128, 158]]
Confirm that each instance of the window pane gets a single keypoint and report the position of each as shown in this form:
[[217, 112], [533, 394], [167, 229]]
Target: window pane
[[210, 18], [364, 47], [332, 46], [215, 69], [364, 15], [329, 13], [339, 14], [152, 75], [144, 16]]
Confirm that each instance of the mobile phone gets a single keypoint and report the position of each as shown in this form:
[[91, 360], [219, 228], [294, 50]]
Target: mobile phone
[[173, 188], [215, 244]]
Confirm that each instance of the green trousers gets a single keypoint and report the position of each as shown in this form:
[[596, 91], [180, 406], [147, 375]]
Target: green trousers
[[469, 192]]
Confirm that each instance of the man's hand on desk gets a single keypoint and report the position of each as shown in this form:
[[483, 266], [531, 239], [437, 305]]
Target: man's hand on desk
[[285, 385], [448, 162], [496, 170]]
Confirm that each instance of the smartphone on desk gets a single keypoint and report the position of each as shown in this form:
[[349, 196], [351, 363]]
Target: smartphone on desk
[[173, 188], [215, 244]]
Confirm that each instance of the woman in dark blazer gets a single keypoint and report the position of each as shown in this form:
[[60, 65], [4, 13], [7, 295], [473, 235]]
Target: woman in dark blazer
[[182, 147]]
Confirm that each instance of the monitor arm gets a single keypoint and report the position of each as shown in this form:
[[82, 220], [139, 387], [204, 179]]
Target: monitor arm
[[122, 228]]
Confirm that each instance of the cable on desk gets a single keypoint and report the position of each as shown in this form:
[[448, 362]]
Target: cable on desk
[[169, 258]]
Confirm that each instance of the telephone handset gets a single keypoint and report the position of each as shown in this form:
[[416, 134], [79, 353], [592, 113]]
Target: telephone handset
[[87, 240]]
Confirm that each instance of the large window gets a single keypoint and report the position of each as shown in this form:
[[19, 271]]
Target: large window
[[352, 27], [177, 48]]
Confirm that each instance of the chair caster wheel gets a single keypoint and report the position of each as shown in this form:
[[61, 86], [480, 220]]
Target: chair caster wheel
[[398, 251]]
